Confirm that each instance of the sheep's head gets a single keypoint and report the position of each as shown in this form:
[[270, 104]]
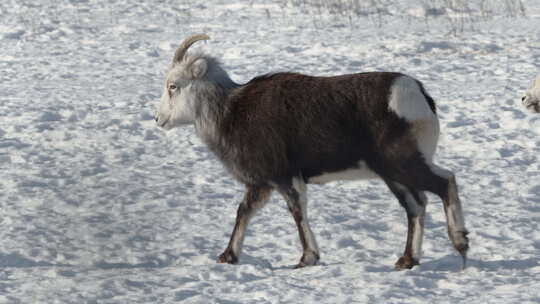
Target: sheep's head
[[531, 100], [177, 104]]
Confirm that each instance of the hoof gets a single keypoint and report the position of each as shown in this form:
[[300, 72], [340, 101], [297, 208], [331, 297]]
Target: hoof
[[406, 262], [228, 257], [462, 249], [462, 246], [463, 252], [308, 259], [464, 257]]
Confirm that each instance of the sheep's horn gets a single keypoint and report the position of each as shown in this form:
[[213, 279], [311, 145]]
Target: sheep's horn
[[182, 49]]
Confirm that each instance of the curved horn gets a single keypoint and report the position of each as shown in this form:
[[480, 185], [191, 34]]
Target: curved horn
[[182, 49]]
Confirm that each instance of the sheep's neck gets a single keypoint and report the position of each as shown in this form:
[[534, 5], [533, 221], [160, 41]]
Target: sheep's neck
[[211, 112]]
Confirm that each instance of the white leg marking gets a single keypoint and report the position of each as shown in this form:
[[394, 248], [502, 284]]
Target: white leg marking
[[418, 235], [418, 211], [301, 188], [238, 236], [237, 239], [454, 212]]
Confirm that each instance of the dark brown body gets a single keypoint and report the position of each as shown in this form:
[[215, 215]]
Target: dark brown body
[[285, 125]]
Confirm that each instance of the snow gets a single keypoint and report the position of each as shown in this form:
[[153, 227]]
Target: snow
[[97, 205]]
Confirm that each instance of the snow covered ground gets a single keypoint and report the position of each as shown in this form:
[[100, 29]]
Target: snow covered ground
[[99, 206]]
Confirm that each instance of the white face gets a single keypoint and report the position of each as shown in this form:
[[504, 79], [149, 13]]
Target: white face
[[176, 104]]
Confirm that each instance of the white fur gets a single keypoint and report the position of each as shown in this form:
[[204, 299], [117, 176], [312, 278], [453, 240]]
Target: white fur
[[418, 236], [362, 172], [300, 187], [426, 133], [409, 103], [237, 240], [446, 174], [419, 211], [531, 100], [407, 100], [454, 212], [176, 107]]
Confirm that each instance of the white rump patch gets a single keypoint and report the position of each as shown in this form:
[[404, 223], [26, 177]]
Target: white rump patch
[[359, 173], [408, 102]]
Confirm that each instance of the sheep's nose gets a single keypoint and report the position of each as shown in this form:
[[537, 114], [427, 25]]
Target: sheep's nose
[[156, 118]]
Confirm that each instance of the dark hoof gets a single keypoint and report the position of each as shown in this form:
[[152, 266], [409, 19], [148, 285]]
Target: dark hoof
[[228, 257], [406, 262]]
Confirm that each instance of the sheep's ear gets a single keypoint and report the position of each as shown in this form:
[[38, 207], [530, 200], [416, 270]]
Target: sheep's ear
[[198, 68]]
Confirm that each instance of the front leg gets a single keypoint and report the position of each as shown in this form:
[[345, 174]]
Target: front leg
[[254, 199], [295, 195]]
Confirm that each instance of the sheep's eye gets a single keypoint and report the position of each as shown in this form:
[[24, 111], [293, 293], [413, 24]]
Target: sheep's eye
[[172, 87]]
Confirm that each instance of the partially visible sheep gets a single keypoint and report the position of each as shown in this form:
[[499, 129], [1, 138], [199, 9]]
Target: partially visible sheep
[[531, 100]]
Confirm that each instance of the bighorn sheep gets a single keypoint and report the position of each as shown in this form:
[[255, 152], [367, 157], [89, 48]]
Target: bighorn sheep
[[285, 130], [531, 100]]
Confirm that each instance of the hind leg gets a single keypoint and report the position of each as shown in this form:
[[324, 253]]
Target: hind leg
[[442, 182], [415, 173], [454, 213], [414, 203]]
